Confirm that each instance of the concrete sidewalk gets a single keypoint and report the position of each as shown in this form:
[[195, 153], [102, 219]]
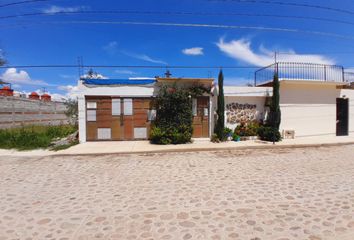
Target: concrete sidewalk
[[127, 147]]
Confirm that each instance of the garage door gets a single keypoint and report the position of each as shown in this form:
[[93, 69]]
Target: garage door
[[119, 118]]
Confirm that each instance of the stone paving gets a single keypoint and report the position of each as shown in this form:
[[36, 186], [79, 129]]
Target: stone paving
[[254, 195]]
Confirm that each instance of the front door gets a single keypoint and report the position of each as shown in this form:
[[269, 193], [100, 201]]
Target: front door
[[201, 117], [342, 117]]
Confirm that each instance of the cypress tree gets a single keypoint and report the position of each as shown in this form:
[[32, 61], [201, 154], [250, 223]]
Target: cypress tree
[[220, 124], [275, 107]]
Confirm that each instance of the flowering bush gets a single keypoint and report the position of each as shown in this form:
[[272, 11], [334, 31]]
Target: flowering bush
[[247, 129]]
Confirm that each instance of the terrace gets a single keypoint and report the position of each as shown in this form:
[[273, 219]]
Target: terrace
[[291, 71]]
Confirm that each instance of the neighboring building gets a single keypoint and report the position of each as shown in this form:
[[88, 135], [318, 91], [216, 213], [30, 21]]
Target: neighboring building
[[116, 109], [315, 100]]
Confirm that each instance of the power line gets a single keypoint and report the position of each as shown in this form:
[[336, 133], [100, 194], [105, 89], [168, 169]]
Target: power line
[[144, 66], [21, 2], [176, 13], [289, 4], [128, 66], [194, 25]]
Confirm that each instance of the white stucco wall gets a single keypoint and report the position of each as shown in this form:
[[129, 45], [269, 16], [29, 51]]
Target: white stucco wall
[[309, 109], [82, 118]]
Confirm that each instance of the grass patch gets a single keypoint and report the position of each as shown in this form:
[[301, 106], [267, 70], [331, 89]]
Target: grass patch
[[33, 137]]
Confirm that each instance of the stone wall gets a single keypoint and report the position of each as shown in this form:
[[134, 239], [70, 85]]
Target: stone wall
[[15, 112], [237, 113], [239, 108]]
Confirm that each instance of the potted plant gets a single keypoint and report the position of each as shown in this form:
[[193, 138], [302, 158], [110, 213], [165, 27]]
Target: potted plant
[[236, 138]]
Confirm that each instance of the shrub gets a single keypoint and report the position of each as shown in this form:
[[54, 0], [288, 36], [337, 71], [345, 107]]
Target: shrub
[[166, 136], [235, 137], [247, 129], [269, 134], [214, 138], [174, 117]]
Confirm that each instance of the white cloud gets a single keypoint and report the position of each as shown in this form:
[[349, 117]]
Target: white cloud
[[111, 47], [241, 50], [237, 81], [56, 9], [70, 92], [65, 76], [126, 72], [193, 51], [20, 77], [144, 57]]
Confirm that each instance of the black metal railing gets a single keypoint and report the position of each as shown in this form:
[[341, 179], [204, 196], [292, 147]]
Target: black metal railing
[[349, 77], [300, 71]]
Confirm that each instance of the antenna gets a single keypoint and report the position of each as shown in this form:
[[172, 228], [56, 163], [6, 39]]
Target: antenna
[[80, 63], [43, 90]]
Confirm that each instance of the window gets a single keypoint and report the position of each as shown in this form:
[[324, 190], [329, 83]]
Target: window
[[91, 111], [140, 133], [91, 115], [116, 107], [104, 133], [91, 105], [194, 106], [151, 115], [128, 107]]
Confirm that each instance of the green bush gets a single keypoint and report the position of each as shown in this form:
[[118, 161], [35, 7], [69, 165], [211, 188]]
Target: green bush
[[235, 137], [174, 117], [247, 129], [214, 138], [33, 137], [269, 134], [164, 136]]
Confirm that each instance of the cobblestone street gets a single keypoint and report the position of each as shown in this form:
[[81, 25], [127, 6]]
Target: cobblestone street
[[250, 195]]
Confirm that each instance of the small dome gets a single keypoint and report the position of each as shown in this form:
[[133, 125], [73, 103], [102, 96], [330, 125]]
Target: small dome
[[34, 94], [6, 88], [45, 95]]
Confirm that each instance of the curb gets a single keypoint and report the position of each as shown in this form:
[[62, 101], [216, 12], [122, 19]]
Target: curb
[[268, 146]]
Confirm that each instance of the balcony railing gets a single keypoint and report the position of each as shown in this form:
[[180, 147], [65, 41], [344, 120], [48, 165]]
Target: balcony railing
[[302, 71], [349, 77]]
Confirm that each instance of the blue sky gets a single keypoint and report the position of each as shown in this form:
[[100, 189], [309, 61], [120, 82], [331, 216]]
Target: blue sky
[[56, 39]]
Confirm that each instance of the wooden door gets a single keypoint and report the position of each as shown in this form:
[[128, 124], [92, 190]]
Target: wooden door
[[201, 118], [117, 119]]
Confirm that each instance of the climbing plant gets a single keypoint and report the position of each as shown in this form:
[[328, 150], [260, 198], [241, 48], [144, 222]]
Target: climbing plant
[[174, 116]]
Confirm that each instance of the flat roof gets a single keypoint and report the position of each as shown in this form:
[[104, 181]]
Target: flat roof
[[233, 91], [105, 82]]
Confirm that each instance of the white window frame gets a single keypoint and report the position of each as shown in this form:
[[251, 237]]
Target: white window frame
[[128, 106], [195, 107], [116, 107], [91, 105], [91, 115]]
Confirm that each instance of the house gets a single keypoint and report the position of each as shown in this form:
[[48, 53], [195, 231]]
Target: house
[[315, 99], [123, 109]]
